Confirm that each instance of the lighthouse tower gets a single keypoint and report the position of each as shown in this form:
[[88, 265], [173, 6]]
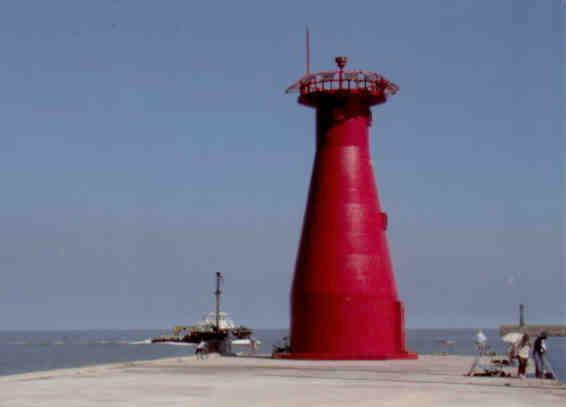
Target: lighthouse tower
[[344, 302]]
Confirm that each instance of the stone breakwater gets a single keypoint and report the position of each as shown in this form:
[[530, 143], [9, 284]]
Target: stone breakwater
[[534, 330]]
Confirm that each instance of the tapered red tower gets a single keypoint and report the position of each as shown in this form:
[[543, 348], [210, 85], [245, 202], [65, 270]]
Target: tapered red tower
[[344, 302]]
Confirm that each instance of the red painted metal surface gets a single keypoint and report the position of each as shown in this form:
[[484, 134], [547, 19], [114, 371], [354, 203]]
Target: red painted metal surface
[[344, 302]]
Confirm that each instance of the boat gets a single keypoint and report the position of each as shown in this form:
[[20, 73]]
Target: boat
[[208, 329], [215, 328]]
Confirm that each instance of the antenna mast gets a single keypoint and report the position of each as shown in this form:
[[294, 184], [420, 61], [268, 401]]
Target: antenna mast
[[308, 50], [217, 293]]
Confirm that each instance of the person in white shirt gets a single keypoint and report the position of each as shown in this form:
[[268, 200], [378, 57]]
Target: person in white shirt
[[481, 342], [539, 350], [523, 355], [200, 351]]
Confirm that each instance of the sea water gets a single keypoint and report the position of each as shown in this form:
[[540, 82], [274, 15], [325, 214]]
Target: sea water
[[28, 351]]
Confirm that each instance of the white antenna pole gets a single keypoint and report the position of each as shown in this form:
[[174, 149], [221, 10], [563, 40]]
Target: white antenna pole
[[308, 50]]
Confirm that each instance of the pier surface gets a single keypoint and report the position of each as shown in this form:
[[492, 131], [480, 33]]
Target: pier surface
[[225, 381]]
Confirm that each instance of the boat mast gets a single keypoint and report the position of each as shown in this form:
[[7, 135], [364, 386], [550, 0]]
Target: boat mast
[[217, 294]]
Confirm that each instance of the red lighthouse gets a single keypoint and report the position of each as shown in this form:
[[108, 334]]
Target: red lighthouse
[[344, 302]]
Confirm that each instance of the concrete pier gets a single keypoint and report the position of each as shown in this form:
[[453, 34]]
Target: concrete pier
[[225, 381]]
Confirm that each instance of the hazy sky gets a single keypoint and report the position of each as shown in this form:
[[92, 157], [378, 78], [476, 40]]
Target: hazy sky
[[146, 145]]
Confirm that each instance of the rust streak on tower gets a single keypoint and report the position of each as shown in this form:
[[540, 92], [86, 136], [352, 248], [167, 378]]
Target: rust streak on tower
[[344, 302]]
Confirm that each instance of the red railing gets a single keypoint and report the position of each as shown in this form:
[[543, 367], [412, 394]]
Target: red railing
[[343, 80]]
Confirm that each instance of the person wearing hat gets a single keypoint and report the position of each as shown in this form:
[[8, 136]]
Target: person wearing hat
[[539, 350]]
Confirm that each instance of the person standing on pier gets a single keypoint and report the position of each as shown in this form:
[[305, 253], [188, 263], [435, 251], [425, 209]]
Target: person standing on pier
[[539, 351], [200, 351], [523, 356]]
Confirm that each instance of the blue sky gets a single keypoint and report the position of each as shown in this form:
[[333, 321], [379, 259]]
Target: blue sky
[[146, 145]]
